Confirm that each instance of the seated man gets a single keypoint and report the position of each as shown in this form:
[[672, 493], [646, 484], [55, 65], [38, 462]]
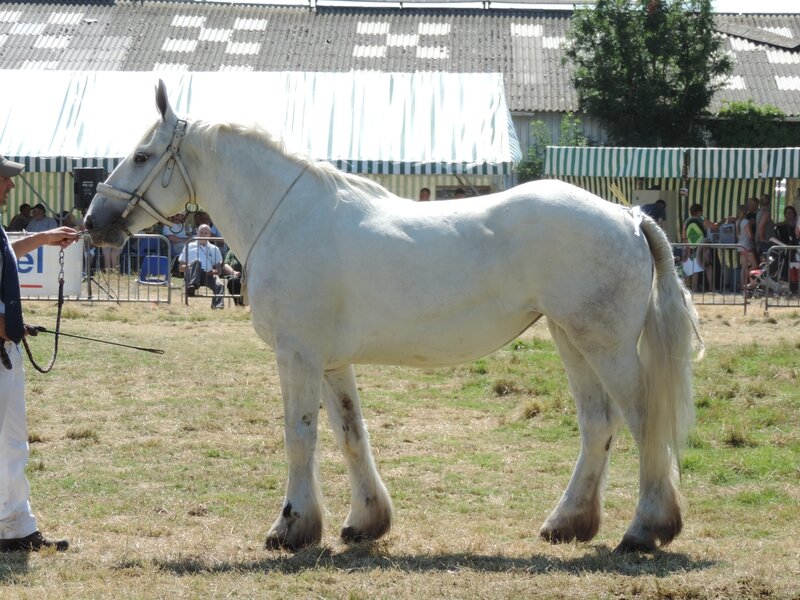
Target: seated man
[[39, 220], [232, 269], [200, 262]]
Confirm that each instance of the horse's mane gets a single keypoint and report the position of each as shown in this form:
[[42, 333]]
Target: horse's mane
[[360, 188]]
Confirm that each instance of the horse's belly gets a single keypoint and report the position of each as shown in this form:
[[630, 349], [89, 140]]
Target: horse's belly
[[454, 341]]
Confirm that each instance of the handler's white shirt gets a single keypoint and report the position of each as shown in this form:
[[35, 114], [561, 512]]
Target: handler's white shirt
[[208, 254]]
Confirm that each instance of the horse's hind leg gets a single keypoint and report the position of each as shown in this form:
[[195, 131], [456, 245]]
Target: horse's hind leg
[[577, 515], [300, 521], [370, 507], [658, 512]]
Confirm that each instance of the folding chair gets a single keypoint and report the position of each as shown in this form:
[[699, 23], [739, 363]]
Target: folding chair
[[154, 270]]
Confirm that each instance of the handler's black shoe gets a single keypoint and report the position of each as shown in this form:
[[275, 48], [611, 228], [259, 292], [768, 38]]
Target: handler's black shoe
[[32, 543]]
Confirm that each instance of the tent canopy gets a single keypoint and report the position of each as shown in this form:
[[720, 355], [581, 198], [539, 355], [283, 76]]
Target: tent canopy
[[363, 122], [701, 163], [605, 161]]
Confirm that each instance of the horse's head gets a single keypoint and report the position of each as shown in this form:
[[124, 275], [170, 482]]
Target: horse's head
[[142, 188]]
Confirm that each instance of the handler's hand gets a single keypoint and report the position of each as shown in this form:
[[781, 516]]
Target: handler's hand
[[61, 236]]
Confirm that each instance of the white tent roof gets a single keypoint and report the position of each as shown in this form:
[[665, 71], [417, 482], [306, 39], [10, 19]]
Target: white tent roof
[[365, 122]]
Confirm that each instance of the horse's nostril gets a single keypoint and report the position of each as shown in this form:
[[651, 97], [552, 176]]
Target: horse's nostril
[[88, 222]]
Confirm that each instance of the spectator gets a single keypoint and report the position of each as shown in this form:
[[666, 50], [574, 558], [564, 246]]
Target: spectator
[[21, 219], [111, 258], [744, 235], [18, 529], [656, 211], [40, 221], [694, 232], [201, 262], [203, 218], [786, 229], [459, 193], [424, 195], [177, 233], [765, 227], [232, 269]]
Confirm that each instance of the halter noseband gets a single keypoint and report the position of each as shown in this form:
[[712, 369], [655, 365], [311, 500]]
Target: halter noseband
[[167, 162]]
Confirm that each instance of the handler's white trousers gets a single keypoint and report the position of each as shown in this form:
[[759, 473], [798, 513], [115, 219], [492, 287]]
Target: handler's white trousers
[[16, 519]]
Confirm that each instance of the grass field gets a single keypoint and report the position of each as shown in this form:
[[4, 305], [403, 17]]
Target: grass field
[[165, 472]]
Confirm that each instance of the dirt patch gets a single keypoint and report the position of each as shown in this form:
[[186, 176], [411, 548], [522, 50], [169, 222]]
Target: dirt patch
[[729, 325]]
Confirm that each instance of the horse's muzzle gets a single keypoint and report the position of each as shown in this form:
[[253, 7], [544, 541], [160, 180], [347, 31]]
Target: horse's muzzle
[[109, 235]]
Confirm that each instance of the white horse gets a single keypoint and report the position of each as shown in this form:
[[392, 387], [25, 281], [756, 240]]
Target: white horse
[[341, 271]]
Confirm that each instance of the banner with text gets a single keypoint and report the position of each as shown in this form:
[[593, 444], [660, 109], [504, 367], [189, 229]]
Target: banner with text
[[38, 270]]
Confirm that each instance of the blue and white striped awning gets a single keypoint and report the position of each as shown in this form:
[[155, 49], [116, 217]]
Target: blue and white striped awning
[[363, 122], [602, 161]]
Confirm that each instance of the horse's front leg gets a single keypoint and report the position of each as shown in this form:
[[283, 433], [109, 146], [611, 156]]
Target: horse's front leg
[[300, 521], [370, 505]]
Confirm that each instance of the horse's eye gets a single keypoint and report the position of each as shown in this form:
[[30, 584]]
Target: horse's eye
[[140, 157]]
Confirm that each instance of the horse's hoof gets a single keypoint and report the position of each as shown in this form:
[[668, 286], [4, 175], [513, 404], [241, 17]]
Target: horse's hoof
[[556, 536], [630, 544], [273, 542], [581, 528], [351, 535]]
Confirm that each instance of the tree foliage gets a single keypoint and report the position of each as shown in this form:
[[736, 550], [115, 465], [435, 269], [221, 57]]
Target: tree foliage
[[647, 68], [749, 125], [571, 134]]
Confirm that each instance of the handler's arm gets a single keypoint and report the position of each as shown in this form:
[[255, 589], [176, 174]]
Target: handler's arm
[[61, 236]]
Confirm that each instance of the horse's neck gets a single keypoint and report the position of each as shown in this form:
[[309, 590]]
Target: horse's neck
[[242, 186]]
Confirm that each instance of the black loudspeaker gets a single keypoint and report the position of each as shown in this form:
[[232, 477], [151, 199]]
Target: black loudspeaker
[[86, 180]]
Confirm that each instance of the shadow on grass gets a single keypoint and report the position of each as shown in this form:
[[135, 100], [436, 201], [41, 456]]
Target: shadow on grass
[[365, 557], [12, 566]]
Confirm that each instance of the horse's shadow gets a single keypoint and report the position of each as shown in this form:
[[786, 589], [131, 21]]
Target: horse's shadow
[[365, 557]]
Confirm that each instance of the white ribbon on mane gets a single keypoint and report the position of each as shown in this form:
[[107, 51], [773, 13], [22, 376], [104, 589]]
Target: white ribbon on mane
[[636, 215]]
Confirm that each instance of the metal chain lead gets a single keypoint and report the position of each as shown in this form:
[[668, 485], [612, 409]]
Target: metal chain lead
[[57, 332]]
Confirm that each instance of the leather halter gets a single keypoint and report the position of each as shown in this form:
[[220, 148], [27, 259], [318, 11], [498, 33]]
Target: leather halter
[[167, 162]]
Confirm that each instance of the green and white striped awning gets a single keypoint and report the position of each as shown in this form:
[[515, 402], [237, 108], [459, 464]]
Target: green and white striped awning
[[363, 122], [728, 163], [602, 161], [784, 163]]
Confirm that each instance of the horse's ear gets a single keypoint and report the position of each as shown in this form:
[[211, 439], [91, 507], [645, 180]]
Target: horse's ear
[[162, 102]]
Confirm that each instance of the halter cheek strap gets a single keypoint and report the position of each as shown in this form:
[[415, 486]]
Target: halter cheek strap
[[165, 166]]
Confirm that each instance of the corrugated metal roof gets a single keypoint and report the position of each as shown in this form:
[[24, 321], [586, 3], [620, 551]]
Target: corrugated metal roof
[[524, 45]]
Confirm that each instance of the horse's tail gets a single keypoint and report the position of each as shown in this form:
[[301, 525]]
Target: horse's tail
[[667, 351]]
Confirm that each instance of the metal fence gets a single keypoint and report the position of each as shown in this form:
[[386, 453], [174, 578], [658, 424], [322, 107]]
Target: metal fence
[[144, 270], [139, 272], [774, 284], [712, 273]]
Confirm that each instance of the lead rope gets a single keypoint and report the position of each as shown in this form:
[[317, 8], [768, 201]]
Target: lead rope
[[52, 362]]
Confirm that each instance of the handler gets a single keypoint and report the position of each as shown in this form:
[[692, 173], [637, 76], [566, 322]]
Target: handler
[[18, 531]]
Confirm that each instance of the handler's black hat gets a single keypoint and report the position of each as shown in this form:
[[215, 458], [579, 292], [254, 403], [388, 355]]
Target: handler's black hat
[[9, 168]]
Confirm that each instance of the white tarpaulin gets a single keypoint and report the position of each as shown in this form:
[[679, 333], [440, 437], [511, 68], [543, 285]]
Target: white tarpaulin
[[365, 122]]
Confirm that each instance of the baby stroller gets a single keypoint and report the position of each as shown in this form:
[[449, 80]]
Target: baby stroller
[[771, 276]]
